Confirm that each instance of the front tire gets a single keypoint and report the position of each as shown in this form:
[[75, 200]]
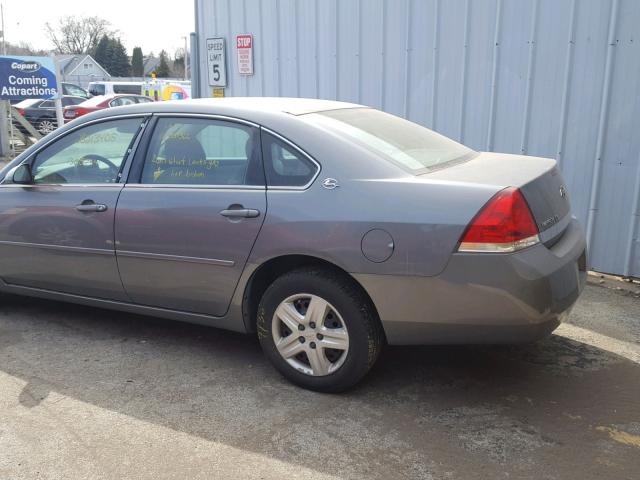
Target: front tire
[[319, 329]]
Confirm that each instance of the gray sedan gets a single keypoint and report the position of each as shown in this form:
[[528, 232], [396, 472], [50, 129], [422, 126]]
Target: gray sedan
[[327, 228]]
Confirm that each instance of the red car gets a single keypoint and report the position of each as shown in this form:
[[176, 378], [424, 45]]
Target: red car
[[98, 103]]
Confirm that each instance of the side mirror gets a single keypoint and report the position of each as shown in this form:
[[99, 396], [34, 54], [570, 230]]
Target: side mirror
[[22, 174]]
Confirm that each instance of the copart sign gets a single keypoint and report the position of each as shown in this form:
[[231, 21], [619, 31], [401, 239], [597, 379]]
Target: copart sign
[[27, 77]]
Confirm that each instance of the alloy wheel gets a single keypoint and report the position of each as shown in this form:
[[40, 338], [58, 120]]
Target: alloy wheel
[[46, 126]]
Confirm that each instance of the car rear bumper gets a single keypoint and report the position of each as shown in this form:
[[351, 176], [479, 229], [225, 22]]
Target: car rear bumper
[[484, 298]]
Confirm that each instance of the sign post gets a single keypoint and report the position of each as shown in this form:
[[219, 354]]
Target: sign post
[[27, 77], [58, 100], [23, 77], [216, 62]]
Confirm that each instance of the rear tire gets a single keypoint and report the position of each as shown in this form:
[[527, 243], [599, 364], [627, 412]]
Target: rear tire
[[324, 325]]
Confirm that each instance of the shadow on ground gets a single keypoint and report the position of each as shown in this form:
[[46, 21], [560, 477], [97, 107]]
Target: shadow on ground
[[544, 410]]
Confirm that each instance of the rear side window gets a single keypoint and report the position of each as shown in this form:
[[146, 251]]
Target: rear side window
[[120, 101], [195, 151], [285, 165]]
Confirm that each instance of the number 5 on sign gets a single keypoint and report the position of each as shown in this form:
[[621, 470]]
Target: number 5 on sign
[[216, 62]]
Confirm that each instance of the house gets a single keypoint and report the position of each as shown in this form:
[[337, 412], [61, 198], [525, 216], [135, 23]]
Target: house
[[150, 64], [80, 69]]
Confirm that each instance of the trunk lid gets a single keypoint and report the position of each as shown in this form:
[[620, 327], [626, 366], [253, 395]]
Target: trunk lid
[[538, 179]]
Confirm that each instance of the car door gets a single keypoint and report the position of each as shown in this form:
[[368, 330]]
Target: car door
[[190, 213], [56, 233]]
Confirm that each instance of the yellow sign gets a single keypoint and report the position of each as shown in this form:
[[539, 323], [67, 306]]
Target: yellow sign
[[218, 92]]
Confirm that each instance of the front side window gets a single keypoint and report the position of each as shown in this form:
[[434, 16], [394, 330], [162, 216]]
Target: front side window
[[194, 151], [285, 165], [92, 154]]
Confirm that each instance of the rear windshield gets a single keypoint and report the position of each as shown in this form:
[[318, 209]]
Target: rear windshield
[[407, 144], [29, 102]]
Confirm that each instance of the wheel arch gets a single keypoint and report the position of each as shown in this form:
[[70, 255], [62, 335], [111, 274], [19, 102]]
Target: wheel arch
[[271, 269]]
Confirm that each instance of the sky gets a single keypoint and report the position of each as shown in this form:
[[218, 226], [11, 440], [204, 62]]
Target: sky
[[151, 25]]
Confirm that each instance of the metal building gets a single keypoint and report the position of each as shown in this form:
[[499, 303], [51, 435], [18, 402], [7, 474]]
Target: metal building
[[553, 78]]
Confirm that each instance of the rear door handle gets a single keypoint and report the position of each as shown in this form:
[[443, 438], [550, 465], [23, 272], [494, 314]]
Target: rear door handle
[[240, 213], [91, 207]]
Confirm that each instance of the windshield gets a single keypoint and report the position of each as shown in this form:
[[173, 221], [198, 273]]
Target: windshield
[[71, 89], [96, 89], [400, 141], [29, 102]]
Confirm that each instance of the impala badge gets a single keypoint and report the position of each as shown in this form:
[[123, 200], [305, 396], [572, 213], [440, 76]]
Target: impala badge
[[330, 183], [549, 222]]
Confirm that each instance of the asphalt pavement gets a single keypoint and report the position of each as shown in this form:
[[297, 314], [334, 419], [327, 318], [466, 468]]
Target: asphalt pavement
[[88, 393]]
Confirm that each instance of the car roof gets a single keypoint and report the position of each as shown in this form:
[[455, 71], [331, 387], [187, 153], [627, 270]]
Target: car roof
[[293, 106], [109, 82], [249, 108]]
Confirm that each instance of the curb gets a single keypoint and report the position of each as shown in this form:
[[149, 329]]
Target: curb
[[625, 286]]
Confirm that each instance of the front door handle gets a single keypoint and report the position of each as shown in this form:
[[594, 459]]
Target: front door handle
[[240, 213], [91, 207]]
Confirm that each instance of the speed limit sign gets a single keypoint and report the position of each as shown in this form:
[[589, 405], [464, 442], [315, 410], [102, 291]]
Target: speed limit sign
[[216, 62]]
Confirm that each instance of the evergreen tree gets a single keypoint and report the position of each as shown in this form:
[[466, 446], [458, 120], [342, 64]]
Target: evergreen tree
[[99, 53], [117, 59], [162, 70], [137, 63]]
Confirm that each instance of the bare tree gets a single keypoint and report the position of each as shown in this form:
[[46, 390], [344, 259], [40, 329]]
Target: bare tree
[[24, 48], [77, 34]]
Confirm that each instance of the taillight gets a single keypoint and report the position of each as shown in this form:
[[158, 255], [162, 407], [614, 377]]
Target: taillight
[[70, 113], [505, 224], [20, 111]]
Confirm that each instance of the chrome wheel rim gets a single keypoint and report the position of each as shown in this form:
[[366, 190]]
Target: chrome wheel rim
[[310, 334], [46, 127]]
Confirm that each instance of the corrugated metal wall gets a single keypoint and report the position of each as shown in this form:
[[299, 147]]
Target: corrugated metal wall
[[554, 78]]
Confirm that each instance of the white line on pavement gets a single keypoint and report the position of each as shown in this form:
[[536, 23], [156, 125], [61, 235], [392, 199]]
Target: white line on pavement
[[624, 349]]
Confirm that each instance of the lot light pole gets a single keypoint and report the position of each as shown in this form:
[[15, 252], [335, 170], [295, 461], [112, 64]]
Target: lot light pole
[[4, 43], [58, 99], [185, 58]]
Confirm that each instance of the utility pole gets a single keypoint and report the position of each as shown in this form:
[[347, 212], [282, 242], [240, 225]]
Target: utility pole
[[186, 77], [4, 43], [5, 110]]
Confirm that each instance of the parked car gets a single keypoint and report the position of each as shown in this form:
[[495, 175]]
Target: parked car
[[328, 229], [110, 88], [100, 102], [42, 113], [74, 90]]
